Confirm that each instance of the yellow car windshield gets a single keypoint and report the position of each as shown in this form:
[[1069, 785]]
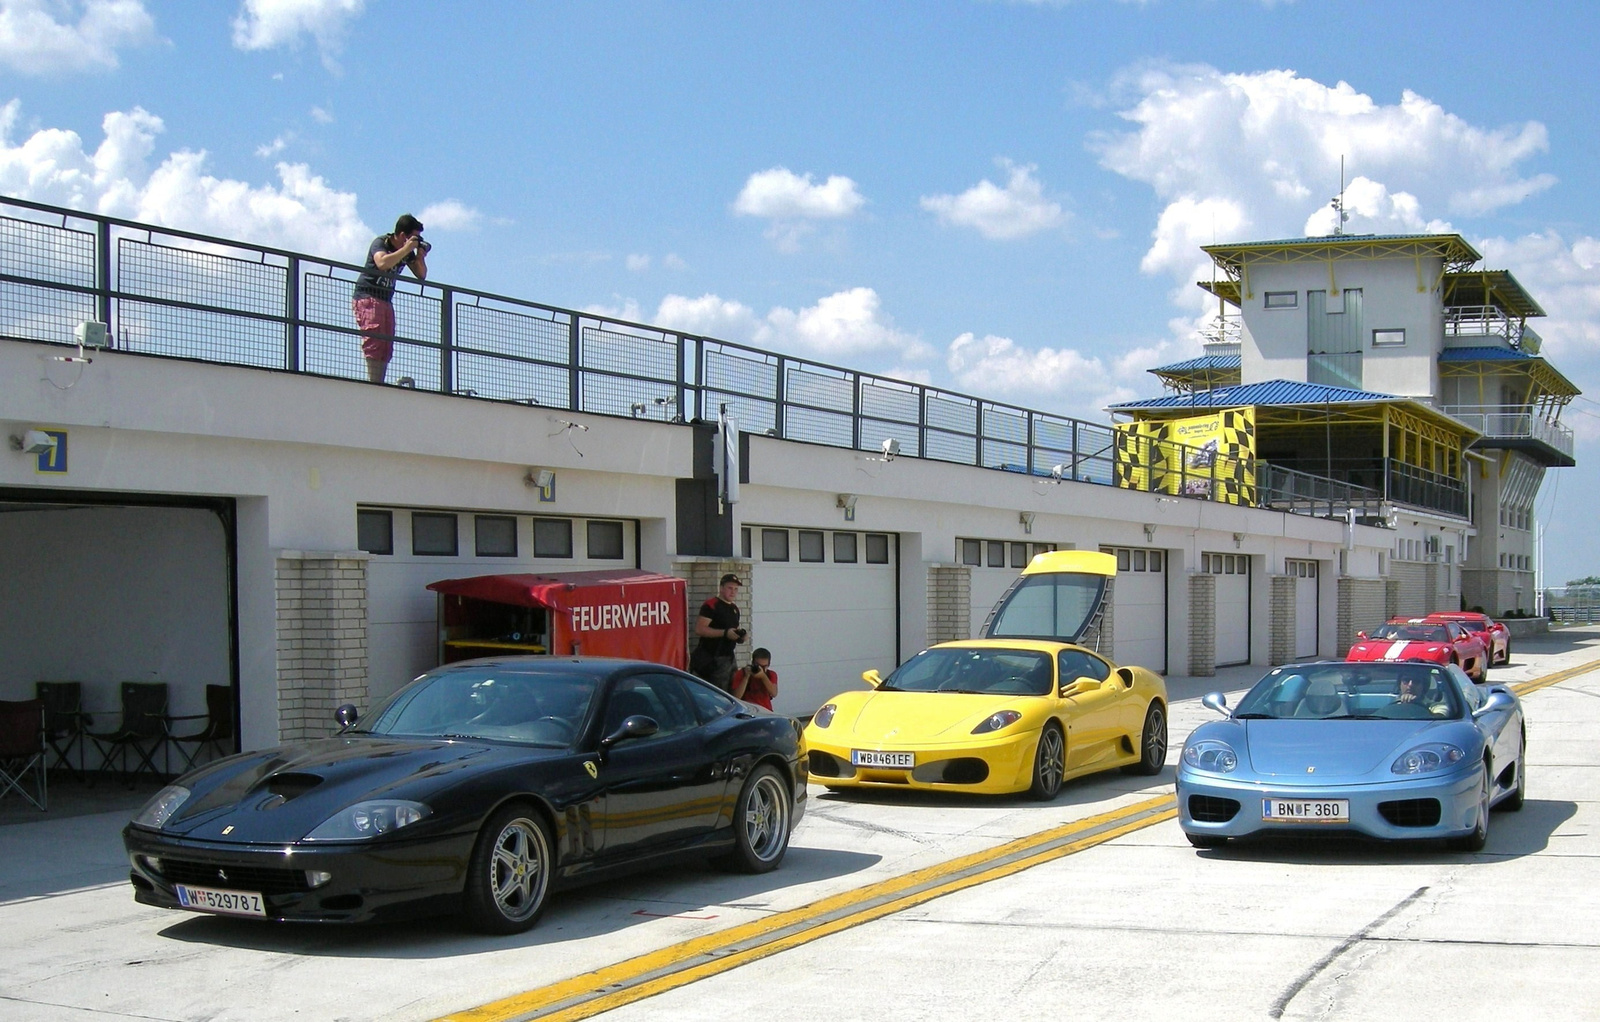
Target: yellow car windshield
[[1020, 672]]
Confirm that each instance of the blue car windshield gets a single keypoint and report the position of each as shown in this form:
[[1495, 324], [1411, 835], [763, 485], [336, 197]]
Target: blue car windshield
[[1354, 691], [1022, 672], [490, 702]]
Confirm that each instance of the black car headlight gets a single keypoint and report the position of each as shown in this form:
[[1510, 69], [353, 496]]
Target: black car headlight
[[1211, 755], [369, 819], [1425, 759], [159, 810], [823, 717], [997, 720]]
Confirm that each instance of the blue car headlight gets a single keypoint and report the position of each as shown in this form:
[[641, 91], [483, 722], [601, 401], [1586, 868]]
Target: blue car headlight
[[369, 819], [997, 720], [823, 717], [1425, 759], [159, 810], [1212, 755]]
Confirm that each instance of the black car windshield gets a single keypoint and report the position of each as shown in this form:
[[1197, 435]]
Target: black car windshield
[[1411, 633], [1023, 672], [1354, 691], [495, 702]]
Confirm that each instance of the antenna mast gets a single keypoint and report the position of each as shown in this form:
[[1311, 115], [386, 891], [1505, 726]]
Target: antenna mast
[[1340, 216]]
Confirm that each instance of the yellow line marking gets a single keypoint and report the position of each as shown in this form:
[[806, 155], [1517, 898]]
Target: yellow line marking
[[749, 942], [898, 893]]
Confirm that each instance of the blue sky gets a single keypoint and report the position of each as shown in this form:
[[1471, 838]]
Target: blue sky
[[1003, 198]]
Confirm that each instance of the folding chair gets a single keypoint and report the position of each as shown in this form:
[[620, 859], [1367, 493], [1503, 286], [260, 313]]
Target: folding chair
[[141, 734], [216, 734], [64, 721], [22, 750]]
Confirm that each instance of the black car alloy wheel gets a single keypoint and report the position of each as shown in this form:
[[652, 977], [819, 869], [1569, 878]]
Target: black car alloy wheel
[[761, 821], [509, 876]]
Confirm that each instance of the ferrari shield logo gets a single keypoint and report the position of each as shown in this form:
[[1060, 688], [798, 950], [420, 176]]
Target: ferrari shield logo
[[588, 765]]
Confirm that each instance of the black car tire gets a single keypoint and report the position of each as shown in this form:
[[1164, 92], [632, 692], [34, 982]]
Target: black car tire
[[508, 877], [1507, 657], [1479, 837], [1049, 763], [1152, 743], [761, 823], [1206, 840], [1483, 670], [1519, 795]]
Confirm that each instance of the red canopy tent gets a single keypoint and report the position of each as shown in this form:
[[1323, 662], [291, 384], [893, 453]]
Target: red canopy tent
[[620, 612]]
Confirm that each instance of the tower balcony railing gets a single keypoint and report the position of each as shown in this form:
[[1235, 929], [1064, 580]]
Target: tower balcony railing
[[1512, 423], [1490, 321]]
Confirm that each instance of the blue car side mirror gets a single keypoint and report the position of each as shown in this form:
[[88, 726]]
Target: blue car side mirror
[[1216, 701]]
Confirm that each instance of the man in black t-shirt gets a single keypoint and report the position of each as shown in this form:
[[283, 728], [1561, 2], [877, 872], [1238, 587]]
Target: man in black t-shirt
[[718, 628]]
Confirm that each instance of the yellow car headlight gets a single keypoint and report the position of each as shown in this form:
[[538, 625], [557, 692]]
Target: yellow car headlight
[[996, 721]]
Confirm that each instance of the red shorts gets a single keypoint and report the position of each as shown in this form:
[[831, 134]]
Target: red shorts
[[375, 320]]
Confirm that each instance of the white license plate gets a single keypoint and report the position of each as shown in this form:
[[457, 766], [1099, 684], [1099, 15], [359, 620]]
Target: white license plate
[[892, 760], [229, 903], [1291, 810]]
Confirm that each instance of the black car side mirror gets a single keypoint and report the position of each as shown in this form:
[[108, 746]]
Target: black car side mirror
[[636, 726], [346, 716]]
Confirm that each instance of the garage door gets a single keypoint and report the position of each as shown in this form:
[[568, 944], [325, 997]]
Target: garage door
[[1232, 572], [824, 603], [1306, 607], [1139, 598]]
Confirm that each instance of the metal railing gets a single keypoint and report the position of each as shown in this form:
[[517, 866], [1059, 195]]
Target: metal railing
[[1502, 422], [1490, 321], [1285, 489], [177, 294]]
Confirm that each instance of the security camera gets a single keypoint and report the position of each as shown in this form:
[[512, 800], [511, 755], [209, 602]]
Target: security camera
[[1056, 472], [891, 447], [33, 441]]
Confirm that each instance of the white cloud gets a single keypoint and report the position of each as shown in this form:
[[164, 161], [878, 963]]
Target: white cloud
[[275, 147], [52, 165], [673, 261], [638, 263], [1081, 384], [40, 38], [1260, 153], [269, 24], [450, 215], [780, 194], [1015, 211], [321, 116], [848, 326]]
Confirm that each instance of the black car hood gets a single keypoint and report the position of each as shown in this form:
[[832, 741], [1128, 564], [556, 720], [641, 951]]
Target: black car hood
[[282, 794]]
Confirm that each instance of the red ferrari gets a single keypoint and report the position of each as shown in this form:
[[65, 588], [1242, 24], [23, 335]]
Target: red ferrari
[[1494, 634], [1439, 642]]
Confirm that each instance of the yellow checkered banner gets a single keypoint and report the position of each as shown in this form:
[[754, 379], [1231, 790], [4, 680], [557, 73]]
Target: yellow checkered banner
[[1210, 456]]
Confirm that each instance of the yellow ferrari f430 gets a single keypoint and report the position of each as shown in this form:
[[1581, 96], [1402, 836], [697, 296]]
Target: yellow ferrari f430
[[1024, 708]]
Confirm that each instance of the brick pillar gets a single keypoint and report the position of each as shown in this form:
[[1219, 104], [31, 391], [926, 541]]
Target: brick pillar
[[701, 582], [1363, 603], [1202, 625], [1391, 607], [1281, 619], [949, 602], [322, 640]]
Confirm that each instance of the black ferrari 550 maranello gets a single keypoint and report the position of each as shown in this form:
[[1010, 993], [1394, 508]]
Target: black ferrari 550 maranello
[[477, 788]]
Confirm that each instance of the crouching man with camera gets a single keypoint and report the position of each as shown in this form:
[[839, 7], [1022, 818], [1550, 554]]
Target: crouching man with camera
[[757, 683]]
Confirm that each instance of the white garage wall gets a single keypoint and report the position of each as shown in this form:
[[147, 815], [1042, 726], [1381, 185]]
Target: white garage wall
[[104, 595]]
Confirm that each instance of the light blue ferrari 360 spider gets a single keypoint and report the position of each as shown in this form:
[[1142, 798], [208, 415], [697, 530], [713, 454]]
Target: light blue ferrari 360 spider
[[1396, 751]]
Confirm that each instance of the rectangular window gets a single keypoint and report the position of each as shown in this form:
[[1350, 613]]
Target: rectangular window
[[811, 546], [1043, 548], [844, 548], [1139, 559], [1019, 555], [997, 554], [1388, 338], [605, 541], [972, 551], [375, 531], [433, 535], [877, 548], [1155, 560], [744, 542], [1124, 560], [552, 537], [1281, 300], [774, 544], [496, 535]]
